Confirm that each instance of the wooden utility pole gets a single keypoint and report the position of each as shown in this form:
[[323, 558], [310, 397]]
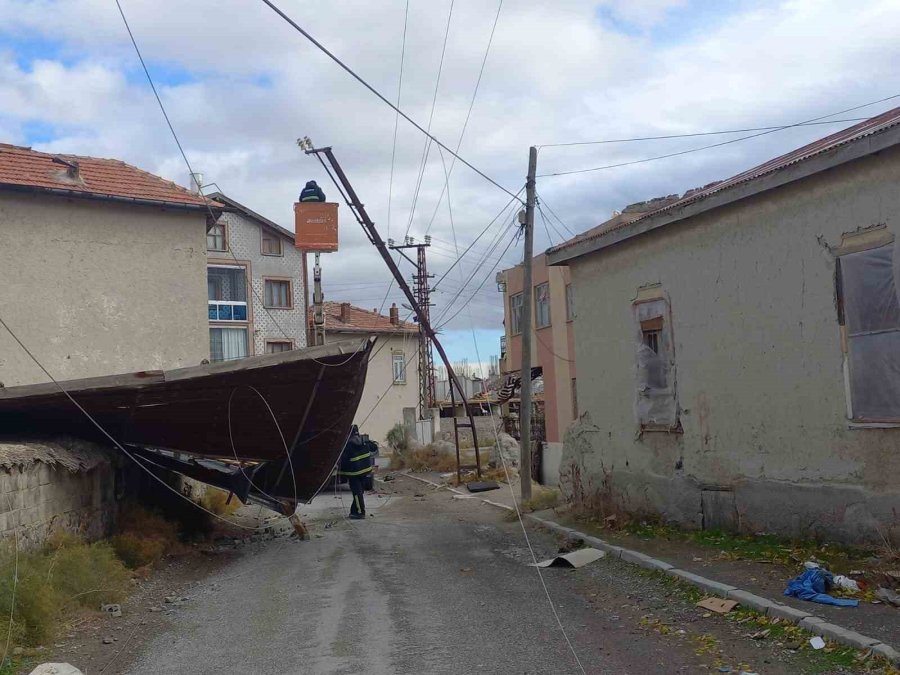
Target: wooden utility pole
[[527, 308]]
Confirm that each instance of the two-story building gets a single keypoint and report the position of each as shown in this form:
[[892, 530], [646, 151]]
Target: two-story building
[[102, 267], [255, 285]]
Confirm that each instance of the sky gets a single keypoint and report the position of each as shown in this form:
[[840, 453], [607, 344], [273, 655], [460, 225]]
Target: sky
[[240, 86]]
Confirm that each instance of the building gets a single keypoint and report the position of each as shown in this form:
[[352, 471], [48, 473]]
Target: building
[[392, 383], [739, 349], [102, 268], [255, 285], [551, 349]]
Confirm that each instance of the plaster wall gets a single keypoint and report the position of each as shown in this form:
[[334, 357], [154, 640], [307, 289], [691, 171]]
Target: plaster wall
[[95, 288], [380, 389], [758, 359]]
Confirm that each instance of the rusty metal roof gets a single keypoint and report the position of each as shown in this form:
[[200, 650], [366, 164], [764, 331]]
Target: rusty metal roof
[[872, 126]]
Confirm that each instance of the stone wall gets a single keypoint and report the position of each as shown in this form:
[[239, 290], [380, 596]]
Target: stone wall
[[484, 426], [57, 485]]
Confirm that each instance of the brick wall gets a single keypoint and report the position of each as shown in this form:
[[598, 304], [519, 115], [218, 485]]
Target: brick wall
[[46, 487]]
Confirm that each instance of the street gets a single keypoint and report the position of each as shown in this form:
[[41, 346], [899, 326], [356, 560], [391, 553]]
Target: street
[[433, 584]]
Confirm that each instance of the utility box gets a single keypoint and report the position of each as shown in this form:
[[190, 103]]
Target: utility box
[[316, 226]]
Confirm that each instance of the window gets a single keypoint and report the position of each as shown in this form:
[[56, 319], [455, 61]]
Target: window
[[278, 294], [278, 346], [226, 344], [271, 243], [399, 367], [656, 406], [227, 293], [542, 305], [574, 400], [869, 315], [570, 302], [515, 312], [215, 238]]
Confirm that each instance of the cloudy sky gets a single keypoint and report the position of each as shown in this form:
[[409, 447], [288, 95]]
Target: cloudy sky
[[241, 86]]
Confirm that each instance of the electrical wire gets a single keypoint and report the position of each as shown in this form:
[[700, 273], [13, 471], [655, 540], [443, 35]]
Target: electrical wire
[[715, 145], [427, 146], [527, 475], [109, 437], [372, 89], [553, 213], [397, 119], [695, 134], [462, 133]]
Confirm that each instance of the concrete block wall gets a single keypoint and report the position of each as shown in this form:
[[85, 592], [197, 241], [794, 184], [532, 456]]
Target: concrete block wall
[[484, 425], [40, 498]]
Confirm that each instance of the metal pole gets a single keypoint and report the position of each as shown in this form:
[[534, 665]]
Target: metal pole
[[527, 307]]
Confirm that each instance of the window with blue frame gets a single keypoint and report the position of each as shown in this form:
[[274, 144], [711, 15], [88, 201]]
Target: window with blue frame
[[227, 293]]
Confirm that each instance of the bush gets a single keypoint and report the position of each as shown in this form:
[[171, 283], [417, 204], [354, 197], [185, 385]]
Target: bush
[[144, 536], [52, 582], [398, 437]]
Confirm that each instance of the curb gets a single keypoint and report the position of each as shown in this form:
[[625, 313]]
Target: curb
[[757, 603]]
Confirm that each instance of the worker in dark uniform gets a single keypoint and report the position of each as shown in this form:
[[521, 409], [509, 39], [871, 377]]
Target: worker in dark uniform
[[312, 193], [357, 462]]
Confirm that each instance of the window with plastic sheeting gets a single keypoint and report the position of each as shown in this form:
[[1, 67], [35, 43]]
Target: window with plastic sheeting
[[656, 406], [869, 314]]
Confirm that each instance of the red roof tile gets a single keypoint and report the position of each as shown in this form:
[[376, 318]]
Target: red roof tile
[[874, 125], [95, 177], [361, 320]]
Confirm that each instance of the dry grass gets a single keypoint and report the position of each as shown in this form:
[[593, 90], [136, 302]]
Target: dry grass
[[55, 581], [144, 536], [423, 459], [542, 499]]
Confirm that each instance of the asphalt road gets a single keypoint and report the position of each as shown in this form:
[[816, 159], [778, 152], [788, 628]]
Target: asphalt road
[[432, 585]]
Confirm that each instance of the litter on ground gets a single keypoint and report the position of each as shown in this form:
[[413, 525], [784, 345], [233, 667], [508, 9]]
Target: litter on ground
[[817, 642], [813, 585], [579, 558], [718, 605]]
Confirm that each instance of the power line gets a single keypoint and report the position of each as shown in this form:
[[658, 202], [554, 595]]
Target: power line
[[553, 213], [397, 119], [715, 145], [427, 147], [699, 133], [372, 89], [462, 133]]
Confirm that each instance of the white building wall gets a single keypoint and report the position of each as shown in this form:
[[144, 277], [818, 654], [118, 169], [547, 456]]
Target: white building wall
[[245, 240], [382, 402]]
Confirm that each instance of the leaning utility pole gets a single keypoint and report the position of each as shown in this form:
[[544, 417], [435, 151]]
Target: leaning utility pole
[[527, 306], [422, 290], [359, 211]]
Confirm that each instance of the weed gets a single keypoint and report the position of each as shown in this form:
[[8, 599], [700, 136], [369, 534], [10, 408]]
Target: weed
[[543, 499], [144, 536], [62, 576], [398, 437]]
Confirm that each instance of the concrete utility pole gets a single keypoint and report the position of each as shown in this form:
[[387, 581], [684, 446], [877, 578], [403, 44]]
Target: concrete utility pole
[[527, 307]]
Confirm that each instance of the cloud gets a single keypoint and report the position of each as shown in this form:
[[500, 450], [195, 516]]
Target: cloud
[[240, 86]]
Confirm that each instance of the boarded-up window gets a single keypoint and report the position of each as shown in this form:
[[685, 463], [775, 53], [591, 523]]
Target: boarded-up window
[[656, 405], [870, 315]]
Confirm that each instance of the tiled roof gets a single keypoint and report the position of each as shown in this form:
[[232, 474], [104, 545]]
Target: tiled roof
[[224, 199], [361, 320], [872, 126], [24, 168]]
